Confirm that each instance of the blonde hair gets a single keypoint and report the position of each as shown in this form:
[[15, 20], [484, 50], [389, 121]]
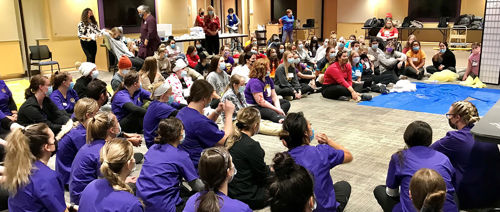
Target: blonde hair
[[467, 112], [83, 107], [24, 146], [98, 126], [246, 119], [286, 63], [115, 154], [162, 48]]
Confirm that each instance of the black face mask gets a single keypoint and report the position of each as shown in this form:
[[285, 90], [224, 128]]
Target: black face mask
[[202, 13], [454, 126]]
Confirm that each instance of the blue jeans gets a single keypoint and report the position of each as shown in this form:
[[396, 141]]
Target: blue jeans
[[288, 34]]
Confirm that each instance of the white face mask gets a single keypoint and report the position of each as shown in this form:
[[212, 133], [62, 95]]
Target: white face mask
[[234, 173]]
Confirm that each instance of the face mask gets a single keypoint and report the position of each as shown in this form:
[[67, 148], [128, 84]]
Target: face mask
[[95, 74], [268, 74], [301, 46], [222, 66], [234, 173], [253, 51], [125, 72], [140, 85], [226, 54], [282, 50], [170, 100], [172, 46], [141, 15], [291, 60], [356, 60], [71, 85], [454, 126], [195, 53], [374, 46], [184, 73], [390, 50], [254, 43], [296, 61], [49, 91], [356, 48], [183, 137], [210, 12], [345, 61], [241, 89], [325, 43], [332, 55], [442, 51], [416, 48], [312, 136], [198, 46], [202, 13]]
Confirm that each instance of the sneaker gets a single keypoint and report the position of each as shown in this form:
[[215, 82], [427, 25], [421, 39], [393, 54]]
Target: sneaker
[[343, 98], [138, 157], [403, 77], [383, 89], [420, 75], [366, 97]]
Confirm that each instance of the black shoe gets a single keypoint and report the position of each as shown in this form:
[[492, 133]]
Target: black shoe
[[138, 157], [420, 75], [383, 89], [366, 97], [343, 98]]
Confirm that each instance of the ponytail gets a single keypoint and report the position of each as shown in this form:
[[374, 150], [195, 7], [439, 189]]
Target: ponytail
[[23, 148], [58, 78], [433, 202], [98, 126], [35, 83], [428, 190], [114, 155], [246, 119], [467, 112], [294, 130]]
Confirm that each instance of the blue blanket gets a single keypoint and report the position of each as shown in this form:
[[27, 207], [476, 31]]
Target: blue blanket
[[437, 98]]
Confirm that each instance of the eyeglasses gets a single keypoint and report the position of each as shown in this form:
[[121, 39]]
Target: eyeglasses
[[449, 115]]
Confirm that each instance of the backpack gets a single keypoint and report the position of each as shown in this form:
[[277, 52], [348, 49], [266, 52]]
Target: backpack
[[372, 22], [381, 22], [464, 20], [416, 24], [443, 22], [406, 22]]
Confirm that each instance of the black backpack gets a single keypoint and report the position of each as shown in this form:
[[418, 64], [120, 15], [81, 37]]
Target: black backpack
[[406, 22], [443, 22], [381, 22], [372, 22]]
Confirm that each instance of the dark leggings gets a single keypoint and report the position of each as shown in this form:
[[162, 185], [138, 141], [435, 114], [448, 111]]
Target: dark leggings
[[212, 44], [432, 69], [90, 50], [335, 91], [271, 115], [411, 72], [385, 201], [342, 193], [5, 123], [285, 91], [132, 123]]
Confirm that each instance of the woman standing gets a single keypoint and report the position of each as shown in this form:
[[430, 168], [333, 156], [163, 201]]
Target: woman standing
[[87, 32], [199, 18], [149, 36], [32, 184], [212, 28], [287, 22], [63, 95]]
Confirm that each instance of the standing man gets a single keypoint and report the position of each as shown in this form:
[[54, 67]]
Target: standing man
[[232, 25], [287, 23], [149, 36]]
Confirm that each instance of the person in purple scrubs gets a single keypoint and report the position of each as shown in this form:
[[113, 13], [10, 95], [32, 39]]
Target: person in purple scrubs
[[32, 185], [85, 168], [428, 190], [476, 163], [202, 132], [297, 135], [111, 193], [291, 186], [216, 170], [404, 163], [162, 107], [74, 139], [127, 103], [8, 108], [63, 94], [159, 185]]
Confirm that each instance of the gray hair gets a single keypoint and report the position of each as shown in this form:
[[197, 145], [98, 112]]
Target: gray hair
[[144, 8]]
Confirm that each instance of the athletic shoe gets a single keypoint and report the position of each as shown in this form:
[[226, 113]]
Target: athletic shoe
[[366, 97], [343, 98]]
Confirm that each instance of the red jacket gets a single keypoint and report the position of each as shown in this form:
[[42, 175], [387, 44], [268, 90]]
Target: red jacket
[[193, 60], [337, 76]]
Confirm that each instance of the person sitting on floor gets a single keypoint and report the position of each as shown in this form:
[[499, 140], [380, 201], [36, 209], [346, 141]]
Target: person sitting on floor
[[444, 59], [415, 62], [216, 170], [478, 176], [304, 74], [235, 93], [427, 190], [274, 60], [127, 104], [97, 90], [149, 74], [89, 72], [173, 51], [63, 95], [218, 78], [192, 56], [39, 108], [356, 66], [303, 53], [164, 65], [244, 69], [286, 81], [473, 62], [162, 107], [160, 182], [180, 82], [249, 184], [404, 163], [8, 109], [124, 66], [297, 135], [337, 82], [374, 52], [202, 66], [391, 65], [228, 58], [408, 47], [199, 138], [260, 93], [112, 193], [119, 48], [321, 51]]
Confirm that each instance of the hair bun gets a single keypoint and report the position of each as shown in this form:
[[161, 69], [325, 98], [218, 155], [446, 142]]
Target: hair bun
[[283, 165]]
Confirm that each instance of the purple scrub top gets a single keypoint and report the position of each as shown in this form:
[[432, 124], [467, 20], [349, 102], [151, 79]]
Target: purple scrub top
[[255, 85], [156, 112], [415, 158], [158, 184], [228, 204], [318, 160], [100, 196], [85, 169], [44, 192], [201, 133], [67, 148], [67, 104], [5, 96], [122, 97]]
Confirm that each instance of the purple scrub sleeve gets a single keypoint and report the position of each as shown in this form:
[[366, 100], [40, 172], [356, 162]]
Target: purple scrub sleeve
[[100, 196], [255, 85], [122, 97], [67, 148], [5, 96], [67, 104], [227, 204], [156, 112]]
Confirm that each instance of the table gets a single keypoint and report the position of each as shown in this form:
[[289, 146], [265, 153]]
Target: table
[[195, 38], [311, 31], [443, 30], [488, 128]]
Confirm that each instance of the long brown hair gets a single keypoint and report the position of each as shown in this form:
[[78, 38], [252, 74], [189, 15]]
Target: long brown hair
[[58, 78], [236, 79], [428, 190], [24, 146], [213, 167], [246, 119], [150, 67], [35, 83], [214, 64], [114, 155], [85, 17]]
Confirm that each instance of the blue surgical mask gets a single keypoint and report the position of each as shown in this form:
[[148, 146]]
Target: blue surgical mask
[[172, 46], [268, 74], [312, 136], [49, 91], [222, 66], [332, 55], [282, 50], [170, 100], [95, 74], [374, 46], [301, 46], [241, 89], [184, 73], [296, 61], [71, 85], [253, 51], [124, 72], [141, 15], [210, 12], [416, 48], [198, 46], [291, 60], [356, 60], [442, 50]]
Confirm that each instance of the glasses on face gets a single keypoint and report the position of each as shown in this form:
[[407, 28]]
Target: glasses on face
[[449, 115]]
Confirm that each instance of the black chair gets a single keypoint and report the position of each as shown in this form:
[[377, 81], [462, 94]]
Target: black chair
[[37, 56]]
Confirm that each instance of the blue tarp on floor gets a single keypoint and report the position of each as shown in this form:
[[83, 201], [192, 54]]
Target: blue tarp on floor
[[437, 98]]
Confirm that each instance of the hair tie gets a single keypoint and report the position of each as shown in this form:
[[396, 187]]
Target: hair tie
[[240, 125]]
